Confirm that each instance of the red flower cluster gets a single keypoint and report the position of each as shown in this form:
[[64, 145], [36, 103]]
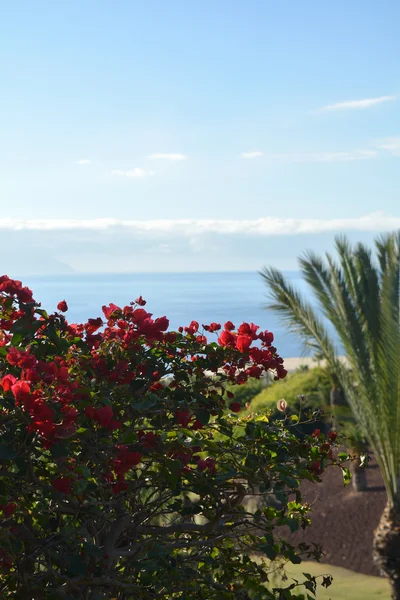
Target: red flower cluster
[[103, 416], [53, 389]]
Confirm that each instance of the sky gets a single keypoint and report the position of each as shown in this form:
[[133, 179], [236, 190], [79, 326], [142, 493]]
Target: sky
[[176, 135]]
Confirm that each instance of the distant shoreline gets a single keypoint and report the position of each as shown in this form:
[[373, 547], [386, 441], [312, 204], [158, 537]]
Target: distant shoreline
[[292, 364]]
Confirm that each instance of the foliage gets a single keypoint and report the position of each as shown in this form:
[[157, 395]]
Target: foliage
[[114, 483], [246, 392], [360, 297], [347, 585], [307, 395]]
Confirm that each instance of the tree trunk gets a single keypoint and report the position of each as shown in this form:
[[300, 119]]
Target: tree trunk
[[387, 546], [358, 476]]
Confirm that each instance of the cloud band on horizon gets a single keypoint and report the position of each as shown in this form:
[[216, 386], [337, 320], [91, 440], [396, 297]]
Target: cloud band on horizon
[[190, 227]]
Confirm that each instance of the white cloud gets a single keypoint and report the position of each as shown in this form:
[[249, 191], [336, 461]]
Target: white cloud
[[84, 161], [356, 104], [252, 154], [324, 157], [392, 145], [191, 228], [136, 172], [173, 157]]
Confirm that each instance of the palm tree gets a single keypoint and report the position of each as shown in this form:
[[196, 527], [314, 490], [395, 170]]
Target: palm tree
[[360, 296]]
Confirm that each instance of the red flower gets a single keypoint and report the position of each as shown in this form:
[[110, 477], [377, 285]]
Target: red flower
[[229, 326], [148, 439], [212, 327], [235, 407], [125, 461], [193, 328], [281, 372], [62, 306], [161, 324], [93, 325], [9, 509], [140, 302], [183, 417], [267, 337], [315, 467], [243, 342], [21, 391], [90, 412], [62, 485], [208, 463], [108, 311], [254, 371], [7, 382], [324, 448], [119, 487], [227, 339], [13, 356], [246, 329], [316, 433], [332, 435], [104, 415]]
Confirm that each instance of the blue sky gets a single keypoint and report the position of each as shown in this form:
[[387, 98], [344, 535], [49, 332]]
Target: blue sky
[[213, 110]]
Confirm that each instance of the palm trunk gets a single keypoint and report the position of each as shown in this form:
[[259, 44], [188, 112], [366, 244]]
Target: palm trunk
[[358, 476], [387, 546]]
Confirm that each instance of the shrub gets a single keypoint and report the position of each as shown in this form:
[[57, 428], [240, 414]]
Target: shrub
[[113, 482], [307, 395], [246, 392]]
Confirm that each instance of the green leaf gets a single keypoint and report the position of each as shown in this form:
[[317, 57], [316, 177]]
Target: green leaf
[[327, 581], [75, 565], [148, 401], [346, 475], [173, 469], [59, 451], [203, 416], [6, 452], [17, 339]]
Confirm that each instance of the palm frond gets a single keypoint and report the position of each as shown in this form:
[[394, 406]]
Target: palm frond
[[361, 300]]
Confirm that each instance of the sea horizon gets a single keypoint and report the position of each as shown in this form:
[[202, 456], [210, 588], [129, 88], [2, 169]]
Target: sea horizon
[[238, 296]]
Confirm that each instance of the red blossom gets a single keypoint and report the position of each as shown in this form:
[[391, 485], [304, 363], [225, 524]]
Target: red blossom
[[62, 306], [332, 435], [227, 339], [229, 326], [243, 342], [183, 417], [315, 467], [93, 325], [8, 509], [148, 439], [7, 382], [161, 324], [62, 484], [110, 310], [267, 337], [21, 391], [235, 407], [192, 329], [104, 415]]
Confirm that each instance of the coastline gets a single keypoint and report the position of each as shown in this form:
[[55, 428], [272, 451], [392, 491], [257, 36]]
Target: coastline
[[292, 364]]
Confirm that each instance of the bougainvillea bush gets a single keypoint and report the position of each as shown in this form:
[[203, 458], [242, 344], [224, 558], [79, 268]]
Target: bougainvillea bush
[[113, 481]]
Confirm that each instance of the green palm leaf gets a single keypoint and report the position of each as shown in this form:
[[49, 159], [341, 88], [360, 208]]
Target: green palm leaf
[[360, 297]]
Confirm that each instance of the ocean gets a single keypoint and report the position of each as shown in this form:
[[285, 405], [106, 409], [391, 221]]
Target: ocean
[[182, 297]]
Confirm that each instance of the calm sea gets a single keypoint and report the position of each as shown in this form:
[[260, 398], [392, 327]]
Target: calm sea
[[182, 297]]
